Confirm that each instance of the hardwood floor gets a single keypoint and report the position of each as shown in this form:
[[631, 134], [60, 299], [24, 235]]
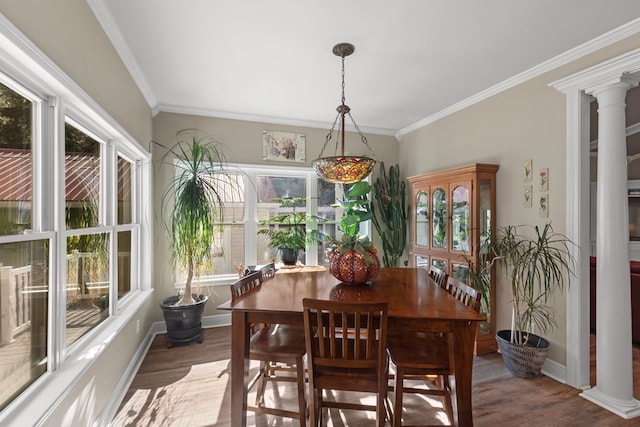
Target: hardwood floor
[[189, 386]]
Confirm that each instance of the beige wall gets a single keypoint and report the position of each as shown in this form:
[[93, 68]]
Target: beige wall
[[68, 32], [526, 122], [70, 36], [243, 144]]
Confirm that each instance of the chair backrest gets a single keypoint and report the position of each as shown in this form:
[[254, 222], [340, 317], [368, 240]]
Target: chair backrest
[[267, 271], [245, 284], [327, 323], [439, 276], [464, 293]]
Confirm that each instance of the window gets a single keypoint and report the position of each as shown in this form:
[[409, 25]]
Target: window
[[256, 188], [24, 254], [74, 199]]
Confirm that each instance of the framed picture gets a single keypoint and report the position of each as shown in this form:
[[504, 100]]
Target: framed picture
[[543, 179], [283, 146], [527, 171], [527, 196], [544, 206]]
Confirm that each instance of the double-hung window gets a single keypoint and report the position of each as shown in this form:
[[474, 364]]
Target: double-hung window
[[70, 229]]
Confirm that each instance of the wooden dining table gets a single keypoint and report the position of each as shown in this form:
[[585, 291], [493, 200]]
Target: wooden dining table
[[416, 302]]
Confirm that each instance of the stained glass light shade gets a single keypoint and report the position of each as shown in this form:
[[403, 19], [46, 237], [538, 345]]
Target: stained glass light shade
[[343, 169]]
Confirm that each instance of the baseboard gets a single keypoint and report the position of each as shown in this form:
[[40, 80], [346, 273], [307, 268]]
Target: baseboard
[[111, 408], [555, 370]]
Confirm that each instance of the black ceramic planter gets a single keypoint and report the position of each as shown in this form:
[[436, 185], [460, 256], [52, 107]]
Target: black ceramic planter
[[184, 322], [289, 256]]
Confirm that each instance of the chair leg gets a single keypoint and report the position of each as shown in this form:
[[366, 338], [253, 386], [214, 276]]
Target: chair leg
[[313, 405], [448, 395], [302, 402], [398, 384], [262, 383]]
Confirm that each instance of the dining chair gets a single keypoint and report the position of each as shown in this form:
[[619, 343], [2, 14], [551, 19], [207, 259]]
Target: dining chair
[[267, 271], [278, 348], [425, 356], [346, 351], [439, 276], [464, 293]]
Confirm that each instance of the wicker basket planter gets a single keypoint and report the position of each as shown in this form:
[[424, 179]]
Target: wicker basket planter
[[523, 360]]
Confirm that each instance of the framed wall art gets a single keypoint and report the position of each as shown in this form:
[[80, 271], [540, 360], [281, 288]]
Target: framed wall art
[[527, 196], [527, 171], [543, 179], [543, 207], [283, 146]]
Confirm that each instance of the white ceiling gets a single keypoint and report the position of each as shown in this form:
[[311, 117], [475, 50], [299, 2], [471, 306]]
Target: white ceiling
[[272, 60]]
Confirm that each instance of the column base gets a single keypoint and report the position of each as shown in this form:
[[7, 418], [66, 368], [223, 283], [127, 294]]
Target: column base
[[626, 409]]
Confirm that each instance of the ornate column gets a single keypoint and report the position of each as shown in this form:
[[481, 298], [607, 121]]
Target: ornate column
[[614, 377]]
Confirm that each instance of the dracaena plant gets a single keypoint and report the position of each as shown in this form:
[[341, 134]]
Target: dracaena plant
[[537, 264]]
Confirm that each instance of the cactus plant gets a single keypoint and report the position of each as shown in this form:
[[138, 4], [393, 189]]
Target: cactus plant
[[390, 213]]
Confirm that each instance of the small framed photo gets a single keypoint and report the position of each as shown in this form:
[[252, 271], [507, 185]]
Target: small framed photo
[[543, 179], [544, 206], [527, 171], [527, 196], [283, 146]]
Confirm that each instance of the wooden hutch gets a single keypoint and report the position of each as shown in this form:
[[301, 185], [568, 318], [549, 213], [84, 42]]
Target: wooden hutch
[[453, 210]]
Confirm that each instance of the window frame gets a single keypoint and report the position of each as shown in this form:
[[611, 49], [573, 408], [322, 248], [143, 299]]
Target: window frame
[[56, 97]]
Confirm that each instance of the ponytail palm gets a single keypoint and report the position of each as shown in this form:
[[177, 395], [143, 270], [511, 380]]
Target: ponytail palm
[[198, 191]]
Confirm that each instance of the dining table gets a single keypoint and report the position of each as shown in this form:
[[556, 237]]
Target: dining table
[[416, 303]]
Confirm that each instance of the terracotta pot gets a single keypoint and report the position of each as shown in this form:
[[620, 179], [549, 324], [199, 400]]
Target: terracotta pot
[[351, 267]]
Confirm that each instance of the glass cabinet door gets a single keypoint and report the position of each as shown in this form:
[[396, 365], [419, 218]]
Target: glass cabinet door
[[460, 218], [422, 218], [439, 218]]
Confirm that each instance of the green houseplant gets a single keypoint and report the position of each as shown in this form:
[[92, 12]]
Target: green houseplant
[[353, 258], [192, 208], [290, 232], [389, 214], [537, 266]]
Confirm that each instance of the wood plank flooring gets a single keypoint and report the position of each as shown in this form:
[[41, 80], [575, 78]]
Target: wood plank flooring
[[188, 386]]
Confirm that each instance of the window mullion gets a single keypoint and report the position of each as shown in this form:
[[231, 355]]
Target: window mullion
[[251, 220]]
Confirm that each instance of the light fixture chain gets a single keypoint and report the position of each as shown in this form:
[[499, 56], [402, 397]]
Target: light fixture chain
[[364, 138], [330, 135], [343, 98]]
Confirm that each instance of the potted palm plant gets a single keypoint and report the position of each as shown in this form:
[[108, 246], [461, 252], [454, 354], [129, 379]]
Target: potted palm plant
[[537, 266], [290, 232], [192, 209]]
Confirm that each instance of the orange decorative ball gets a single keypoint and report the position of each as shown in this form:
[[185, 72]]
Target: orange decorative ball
[[351, 267]]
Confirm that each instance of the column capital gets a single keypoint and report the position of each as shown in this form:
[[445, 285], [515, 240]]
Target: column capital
[[624, 81]]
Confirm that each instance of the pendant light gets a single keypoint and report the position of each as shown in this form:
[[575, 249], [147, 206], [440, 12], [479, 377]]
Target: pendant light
[[341, 168]]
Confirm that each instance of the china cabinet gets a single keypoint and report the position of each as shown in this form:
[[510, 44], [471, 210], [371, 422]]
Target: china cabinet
[[454, 210]]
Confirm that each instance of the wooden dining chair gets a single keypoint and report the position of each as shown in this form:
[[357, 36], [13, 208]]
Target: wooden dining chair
[[439, 276], [464, 293], [423, 356], [279, 348], [267, 271], [346, 351]]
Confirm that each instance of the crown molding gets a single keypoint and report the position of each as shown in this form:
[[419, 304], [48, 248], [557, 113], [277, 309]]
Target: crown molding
[[180, 109], [112, 31]]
